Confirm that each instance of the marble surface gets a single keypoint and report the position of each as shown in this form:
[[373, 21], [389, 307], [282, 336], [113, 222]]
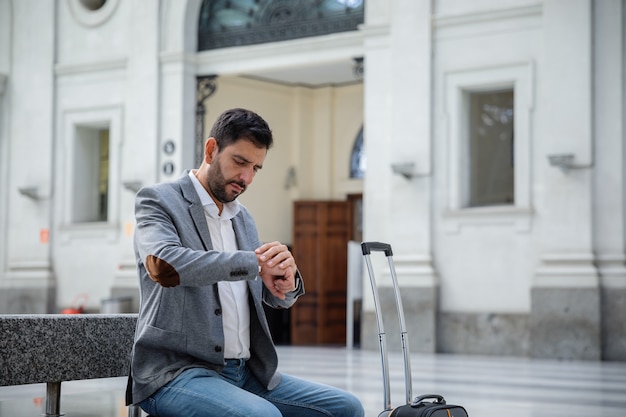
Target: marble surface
[[56, 347], [487, 386]]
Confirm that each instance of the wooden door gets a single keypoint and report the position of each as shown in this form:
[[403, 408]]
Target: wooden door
[[322, 230]]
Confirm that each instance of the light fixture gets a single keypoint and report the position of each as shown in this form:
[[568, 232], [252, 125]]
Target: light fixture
[[406, 169], [132, 186], [30, 192], [565, 162]]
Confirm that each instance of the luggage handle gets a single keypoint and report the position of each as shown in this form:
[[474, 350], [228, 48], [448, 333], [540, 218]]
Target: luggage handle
[[419, 401], [367, 248]]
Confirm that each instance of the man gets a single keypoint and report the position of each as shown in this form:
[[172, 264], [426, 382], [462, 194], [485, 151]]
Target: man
[[202, 345]]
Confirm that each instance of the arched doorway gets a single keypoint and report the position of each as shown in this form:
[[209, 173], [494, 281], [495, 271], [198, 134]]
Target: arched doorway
[[307, 90]]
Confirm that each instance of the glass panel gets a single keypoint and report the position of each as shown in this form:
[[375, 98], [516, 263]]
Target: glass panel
[[225, 23], [103, 178], [491, 148], [357, 158], [90, 198]]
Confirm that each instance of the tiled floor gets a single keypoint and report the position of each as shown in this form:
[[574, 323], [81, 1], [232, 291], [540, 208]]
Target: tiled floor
[[486, 386]]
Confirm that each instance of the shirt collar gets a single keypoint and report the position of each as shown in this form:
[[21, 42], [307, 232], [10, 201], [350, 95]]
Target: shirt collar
[[229, 210]]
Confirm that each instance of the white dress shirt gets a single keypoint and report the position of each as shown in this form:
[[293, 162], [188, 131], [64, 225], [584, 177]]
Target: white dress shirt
[[233, 294]]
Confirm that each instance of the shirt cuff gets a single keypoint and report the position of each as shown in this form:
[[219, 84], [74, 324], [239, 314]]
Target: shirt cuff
[[298, 282]]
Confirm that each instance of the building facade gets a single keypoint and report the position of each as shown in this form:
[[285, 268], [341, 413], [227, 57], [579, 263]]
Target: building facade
[[494, 146]]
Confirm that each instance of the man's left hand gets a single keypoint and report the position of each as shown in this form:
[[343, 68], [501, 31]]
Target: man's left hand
[[278, 268]]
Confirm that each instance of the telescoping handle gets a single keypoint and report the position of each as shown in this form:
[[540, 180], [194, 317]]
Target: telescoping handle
[[367, 248]]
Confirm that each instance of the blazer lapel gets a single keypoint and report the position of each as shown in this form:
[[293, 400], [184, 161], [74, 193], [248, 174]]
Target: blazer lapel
[[196, 211], [243, 243]]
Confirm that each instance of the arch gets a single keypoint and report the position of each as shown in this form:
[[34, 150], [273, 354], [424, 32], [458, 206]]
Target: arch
[[224, 23], [6, 37], [179, 26], [357, 157]]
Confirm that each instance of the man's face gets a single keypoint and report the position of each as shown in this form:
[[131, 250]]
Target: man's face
[[233, 168]]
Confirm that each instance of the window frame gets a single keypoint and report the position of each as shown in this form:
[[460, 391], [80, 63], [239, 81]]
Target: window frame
[[457, 84], [97, 119]]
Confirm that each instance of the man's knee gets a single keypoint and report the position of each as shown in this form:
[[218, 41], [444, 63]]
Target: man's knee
[[354, 408]]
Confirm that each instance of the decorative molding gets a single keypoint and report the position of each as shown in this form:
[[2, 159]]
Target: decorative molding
[[566, 270], [28, 273], [28, 264], [90, 67], [487, 23], [169, 57], [412, 271], [612, 270], [519, 217], [481, 17]]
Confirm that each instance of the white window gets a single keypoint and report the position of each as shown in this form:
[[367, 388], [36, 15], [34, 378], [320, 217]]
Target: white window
[[487, 125], [90, 160]]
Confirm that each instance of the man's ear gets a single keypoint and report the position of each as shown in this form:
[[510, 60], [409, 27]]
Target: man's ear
[[210, 150]]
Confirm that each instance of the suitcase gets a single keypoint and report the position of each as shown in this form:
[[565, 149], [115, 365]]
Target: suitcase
[[429, 405]]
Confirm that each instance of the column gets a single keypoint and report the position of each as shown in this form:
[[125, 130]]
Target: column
[[609, 182], [27, 284], [397, 86], [565, 297]]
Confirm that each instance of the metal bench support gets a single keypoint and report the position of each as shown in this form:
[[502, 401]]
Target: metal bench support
[[53, 399]]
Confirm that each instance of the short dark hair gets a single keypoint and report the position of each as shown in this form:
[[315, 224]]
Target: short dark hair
[[237, 124]]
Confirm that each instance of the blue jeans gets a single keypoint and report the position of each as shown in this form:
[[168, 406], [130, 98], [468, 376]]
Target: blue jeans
[[235, 392]]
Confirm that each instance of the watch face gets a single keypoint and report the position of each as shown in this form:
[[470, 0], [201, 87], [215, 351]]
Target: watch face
[[244, 22]]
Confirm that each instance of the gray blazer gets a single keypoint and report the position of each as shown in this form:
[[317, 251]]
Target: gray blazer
[[180, 324]]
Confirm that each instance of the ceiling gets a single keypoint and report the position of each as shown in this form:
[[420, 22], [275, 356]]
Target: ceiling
[[312, 75]]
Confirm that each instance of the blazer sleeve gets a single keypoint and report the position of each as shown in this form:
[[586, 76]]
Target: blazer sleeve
[[173, 250]]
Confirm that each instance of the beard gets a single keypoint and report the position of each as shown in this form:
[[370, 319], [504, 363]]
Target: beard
[[217, 184]]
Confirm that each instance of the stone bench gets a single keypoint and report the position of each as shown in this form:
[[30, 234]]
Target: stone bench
[[52, 348]]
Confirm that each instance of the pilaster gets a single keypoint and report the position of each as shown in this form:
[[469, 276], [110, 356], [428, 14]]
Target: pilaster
[[565, 295], [398, 91], [27, 283], [609, 180]]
